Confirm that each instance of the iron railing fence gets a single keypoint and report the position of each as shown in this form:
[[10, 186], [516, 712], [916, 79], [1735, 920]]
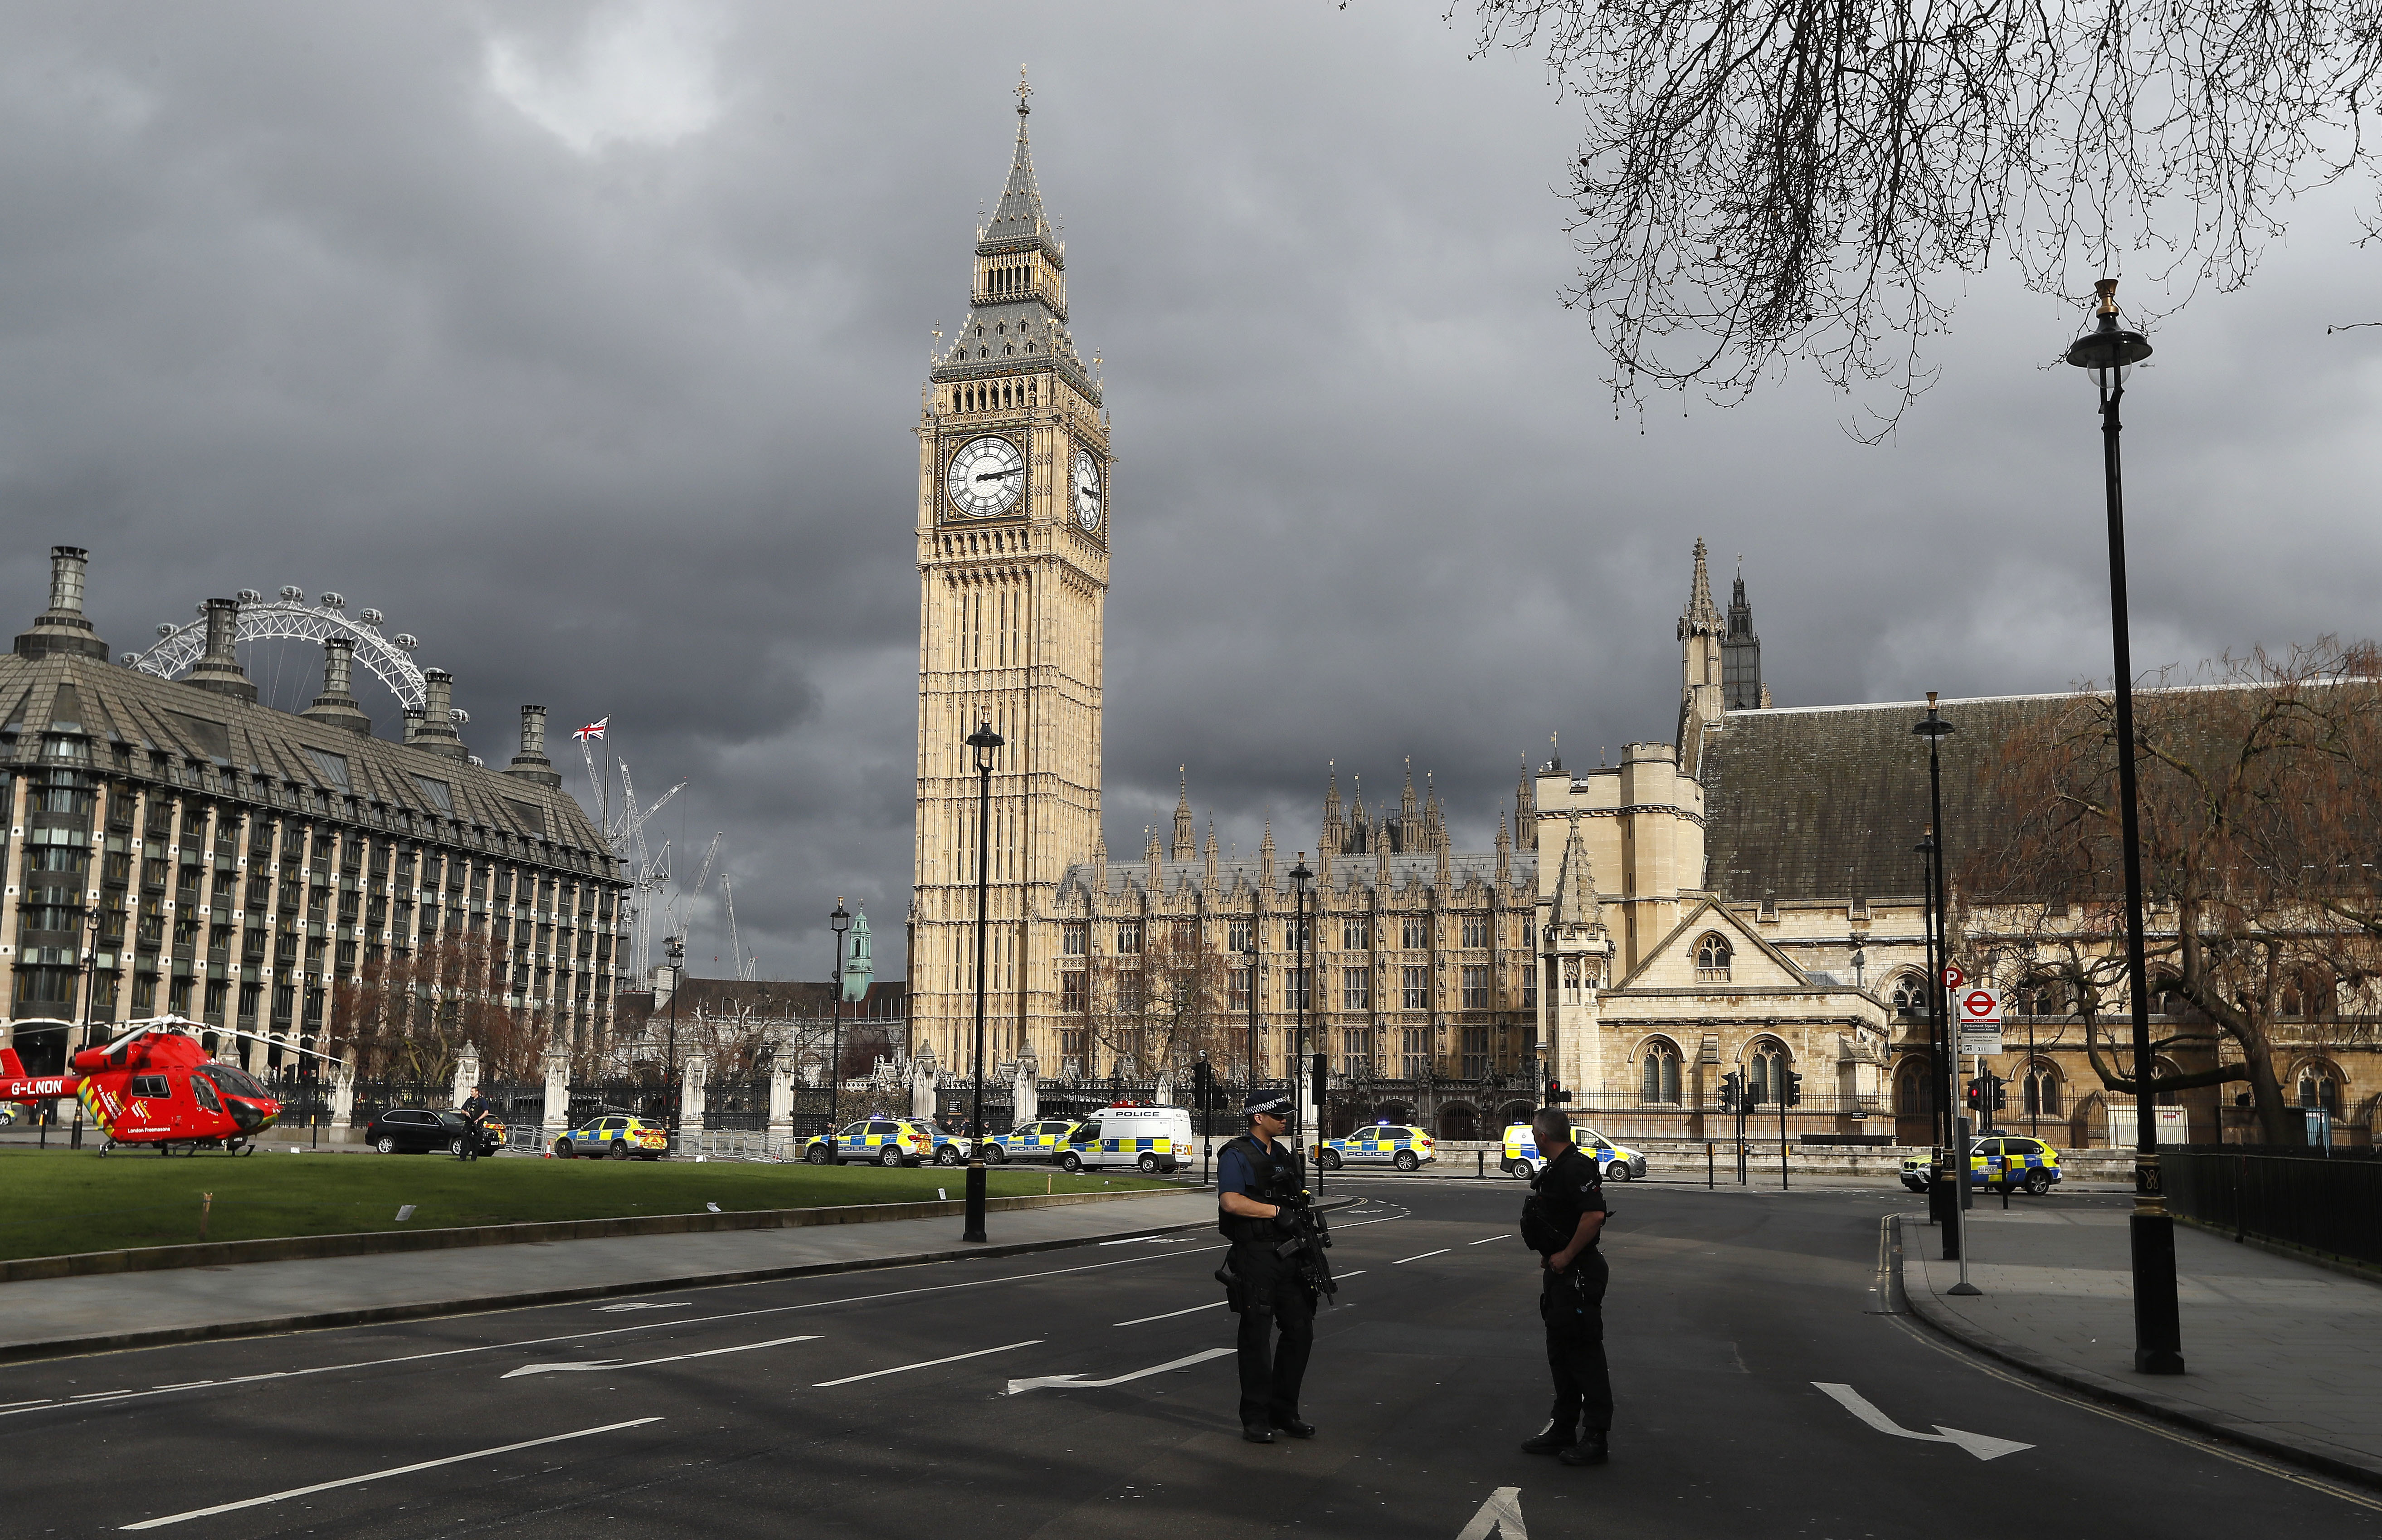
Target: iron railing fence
[[2331, 1204], [649, 1100], [742, 1105], [375, 1097]]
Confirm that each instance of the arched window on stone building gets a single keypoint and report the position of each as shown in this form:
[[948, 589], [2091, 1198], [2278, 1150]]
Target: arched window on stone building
[[1908, 995], [2040, 1092], [1658, 1073], [1766, 1072], [2319, 1086], [1713, 958]]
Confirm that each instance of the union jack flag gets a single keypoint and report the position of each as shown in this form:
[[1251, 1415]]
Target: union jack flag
[[593, 729]]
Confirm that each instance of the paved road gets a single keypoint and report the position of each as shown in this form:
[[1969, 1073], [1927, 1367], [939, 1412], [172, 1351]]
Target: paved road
[[878, 1404]]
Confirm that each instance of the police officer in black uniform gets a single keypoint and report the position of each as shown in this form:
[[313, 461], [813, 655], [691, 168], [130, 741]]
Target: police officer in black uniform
[[1567, 1214], [474, 1110], [1256, 1176]]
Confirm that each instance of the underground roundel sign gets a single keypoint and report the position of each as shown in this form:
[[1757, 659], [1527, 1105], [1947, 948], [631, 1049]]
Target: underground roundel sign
[[1980, 1009]]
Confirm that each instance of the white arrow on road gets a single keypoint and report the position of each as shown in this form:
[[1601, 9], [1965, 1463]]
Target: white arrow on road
[[1500, 1515], [1077, 1382], [646, 1362], [1978, 1443]]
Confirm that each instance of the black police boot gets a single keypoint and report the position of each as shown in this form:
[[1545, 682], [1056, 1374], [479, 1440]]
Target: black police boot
[[1553, 1441], [1293, 1427], [1256, 1433], [1590, 1450]]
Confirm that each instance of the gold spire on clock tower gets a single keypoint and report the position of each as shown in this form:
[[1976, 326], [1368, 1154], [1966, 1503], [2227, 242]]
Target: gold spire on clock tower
[[1012, 530]]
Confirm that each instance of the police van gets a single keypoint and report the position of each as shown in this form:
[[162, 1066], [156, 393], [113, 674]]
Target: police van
[[1147, 1139]]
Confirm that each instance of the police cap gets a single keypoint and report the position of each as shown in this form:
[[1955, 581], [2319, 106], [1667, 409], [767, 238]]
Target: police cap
[[1274, 1102]]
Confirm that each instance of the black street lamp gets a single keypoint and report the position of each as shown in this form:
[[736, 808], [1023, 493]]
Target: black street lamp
[[2109, 353], [674, 950], [1250, 955], [983, 740], [839, 922], [1303, 980]]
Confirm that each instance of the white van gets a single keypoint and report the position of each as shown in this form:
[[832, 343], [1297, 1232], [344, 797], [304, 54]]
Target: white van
[[1148, 1138]]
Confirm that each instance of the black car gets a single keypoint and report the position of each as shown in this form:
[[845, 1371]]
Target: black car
[[418, 1131]]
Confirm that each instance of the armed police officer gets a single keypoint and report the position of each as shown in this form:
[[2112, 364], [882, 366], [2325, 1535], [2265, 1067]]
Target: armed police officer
[[1257, 1182], [474, 1113], [1562, 1222]]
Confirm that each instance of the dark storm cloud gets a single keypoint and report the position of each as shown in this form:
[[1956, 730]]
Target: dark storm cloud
[[586, 341]]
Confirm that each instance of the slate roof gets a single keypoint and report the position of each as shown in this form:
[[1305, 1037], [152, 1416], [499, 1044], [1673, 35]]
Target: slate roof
[[1827, 803], [116, 704]]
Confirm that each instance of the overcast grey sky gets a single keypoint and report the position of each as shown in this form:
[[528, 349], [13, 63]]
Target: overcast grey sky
[[586, 340]]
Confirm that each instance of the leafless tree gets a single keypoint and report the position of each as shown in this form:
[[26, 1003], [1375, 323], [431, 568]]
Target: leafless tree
[[1761, 181], [1158, 1008], [2257, 817]]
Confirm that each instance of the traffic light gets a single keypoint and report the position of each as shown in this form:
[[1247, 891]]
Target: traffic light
[[1203, 1081], [1794, 1087], [1556, 1094], [1977, 1094], [1731, 1086], [2001, 1091]]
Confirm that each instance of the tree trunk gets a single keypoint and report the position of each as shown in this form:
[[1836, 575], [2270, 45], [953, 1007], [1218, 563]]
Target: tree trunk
[[2276, 1121]]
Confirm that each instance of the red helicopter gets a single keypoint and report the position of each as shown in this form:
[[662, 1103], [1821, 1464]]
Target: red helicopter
[[154, 1085]]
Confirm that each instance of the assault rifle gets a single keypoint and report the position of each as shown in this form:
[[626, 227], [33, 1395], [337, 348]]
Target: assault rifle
[[1310, 1237]]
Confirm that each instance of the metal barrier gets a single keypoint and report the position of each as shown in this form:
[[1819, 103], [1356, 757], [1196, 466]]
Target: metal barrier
[[2324, 1203], [738, 1144]]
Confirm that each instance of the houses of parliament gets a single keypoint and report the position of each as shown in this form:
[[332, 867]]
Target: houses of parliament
[[1740, 897]]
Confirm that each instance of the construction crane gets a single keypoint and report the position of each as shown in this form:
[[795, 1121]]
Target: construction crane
[[624, 831], [746, 971]]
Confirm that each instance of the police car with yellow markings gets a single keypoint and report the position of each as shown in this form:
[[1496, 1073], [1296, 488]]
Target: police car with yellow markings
[[1034, 1141], [1614, 1161], [950, 1148], [616, 1135], [874, 1140], [2019, 1163], [1383, 1143], [1148, 1138]]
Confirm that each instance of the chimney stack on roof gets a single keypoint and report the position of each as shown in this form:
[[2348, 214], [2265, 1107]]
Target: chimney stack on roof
[[436, 733], [337, 704], [61, 628], [218, 668], [531, 763]]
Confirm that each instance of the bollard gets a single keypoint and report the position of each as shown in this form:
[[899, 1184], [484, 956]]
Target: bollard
[[1711, 1164], [1480, 1163]]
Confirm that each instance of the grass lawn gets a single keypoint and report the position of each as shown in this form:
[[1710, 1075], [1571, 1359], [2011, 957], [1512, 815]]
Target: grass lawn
[[53, 1202]]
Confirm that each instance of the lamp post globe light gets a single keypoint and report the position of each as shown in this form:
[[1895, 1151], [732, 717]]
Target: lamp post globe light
[[2109, 354], [982, 743], [838, 922]]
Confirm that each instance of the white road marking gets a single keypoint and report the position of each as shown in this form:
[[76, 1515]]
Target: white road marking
[[929, 1364], [646, 1362], [45, 1400], [1403, 1260], [1978, 1443], [1077, 1382], [1143, 1321], [1358, 1274], [1502, 1515], [643, 1304], [1486, 1242], [381, 1475]]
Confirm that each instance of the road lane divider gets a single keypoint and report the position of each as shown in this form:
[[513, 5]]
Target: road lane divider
[[383, 1475], [592, 1365], [927, 1363], [1982, 1446], [1077, 1382], [1420, 1256], [1144, 1320], [1483, 1242]]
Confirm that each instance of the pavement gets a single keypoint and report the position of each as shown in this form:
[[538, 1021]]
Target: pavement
[[2280, 1355], [50, 1316], [1763, 1389]]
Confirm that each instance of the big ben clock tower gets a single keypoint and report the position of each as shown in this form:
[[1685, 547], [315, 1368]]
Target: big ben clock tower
[[1012, 526]]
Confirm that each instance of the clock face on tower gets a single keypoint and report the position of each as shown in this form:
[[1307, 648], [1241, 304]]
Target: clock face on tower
[[1087, 491], [986, 477]]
